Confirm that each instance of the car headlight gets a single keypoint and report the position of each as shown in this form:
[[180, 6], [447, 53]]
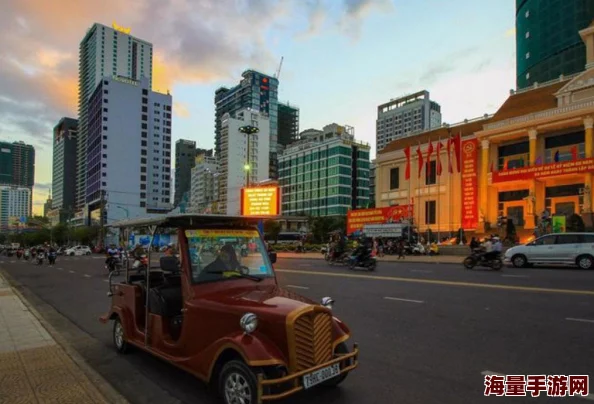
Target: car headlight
[[248, 323], [327, 302]]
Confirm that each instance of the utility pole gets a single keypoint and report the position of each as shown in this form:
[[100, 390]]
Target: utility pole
[[101, 218]]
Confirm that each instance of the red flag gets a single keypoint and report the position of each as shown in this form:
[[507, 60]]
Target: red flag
[[429, 153], [457, 144], [449, 147], [420, 157], [407, 171], [574, 152], [438, 158]]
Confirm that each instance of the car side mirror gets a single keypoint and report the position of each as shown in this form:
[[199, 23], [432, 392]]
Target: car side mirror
[[272, 256]]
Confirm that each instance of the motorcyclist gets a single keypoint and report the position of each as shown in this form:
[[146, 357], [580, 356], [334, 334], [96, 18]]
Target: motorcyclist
[[363, 251], [112, 252], [339, 247], [138, 252], [488, 254], [51, 255], [497, 247]]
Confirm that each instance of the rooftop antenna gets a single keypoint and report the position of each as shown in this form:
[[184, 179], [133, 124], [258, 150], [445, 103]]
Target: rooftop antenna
[[280, 65]]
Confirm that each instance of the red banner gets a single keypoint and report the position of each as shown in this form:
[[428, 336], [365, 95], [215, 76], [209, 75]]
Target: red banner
[[356, 219], [469, 184], [543, 171]]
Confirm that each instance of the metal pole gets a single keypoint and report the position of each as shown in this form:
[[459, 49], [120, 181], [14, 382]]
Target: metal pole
[[152, 230]]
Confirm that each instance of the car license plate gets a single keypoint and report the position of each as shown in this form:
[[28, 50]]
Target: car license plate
[[321, 375]]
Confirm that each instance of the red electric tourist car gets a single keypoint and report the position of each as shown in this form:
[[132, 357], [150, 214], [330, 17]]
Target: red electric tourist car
[[217, 311]]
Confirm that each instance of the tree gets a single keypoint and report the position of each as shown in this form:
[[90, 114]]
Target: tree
[[575, 223], [272, 229]]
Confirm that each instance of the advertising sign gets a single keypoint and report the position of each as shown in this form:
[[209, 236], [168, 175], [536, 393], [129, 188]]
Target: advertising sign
[[543, 171], [469, 184], [260, 201], [356, 219], [558, 224]]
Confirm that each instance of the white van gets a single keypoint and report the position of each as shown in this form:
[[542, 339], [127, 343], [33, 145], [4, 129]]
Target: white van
[[554, 249]]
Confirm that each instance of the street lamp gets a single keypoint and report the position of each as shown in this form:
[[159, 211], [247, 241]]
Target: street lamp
[[248, 130]]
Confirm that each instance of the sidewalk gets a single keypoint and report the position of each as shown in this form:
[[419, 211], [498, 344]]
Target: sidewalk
[[33, 367], [436, 259]]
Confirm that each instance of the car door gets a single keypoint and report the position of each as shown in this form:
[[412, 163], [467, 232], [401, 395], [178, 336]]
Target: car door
[[541, 249], [567, 248]]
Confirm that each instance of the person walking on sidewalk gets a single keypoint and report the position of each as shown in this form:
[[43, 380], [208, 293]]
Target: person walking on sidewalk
[[401, 248]]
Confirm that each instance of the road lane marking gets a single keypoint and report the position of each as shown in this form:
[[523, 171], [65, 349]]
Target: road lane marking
[[581, 320], [403, 300], [425, 271], [440, 282], [297, 287], [515, 276], [105, 280], [12, 262], [87, 276], [60, 269], [305, 265], [72, 272]]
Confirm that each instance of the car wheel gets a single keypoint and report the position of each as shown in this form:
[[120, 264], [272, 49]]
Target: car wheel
[[118, 337], [340, 349], [497, 264], [519, 261], [88, 253], [72, 254], [238, 383], [585, 261]]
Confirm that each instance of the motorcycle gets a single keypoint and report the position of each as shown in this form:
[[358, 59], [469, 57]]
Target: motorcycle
[[39, 257], [477, 258], [27, 255], [19, 254], [114, 264], [51, 257], [368, 262], [333, 258]]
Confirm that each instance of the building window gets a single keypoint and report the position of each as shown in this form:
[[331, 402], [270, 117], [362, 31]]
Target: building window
[[430, 173], [105, 128], [527, 55], [527, 34], [395, 178], [527, 76], [527, 13], [430, 212]]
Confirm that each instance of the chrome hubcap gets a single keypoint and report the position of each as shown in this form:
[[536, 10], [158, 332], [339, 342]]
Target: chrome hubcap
[[119, 335], [237, 390], [519, 261], [585, 263]]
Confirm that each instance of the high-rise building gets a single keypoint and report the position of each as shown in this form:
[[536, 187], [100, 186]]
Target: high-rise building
[[17, 164], [372, 184], [185, 159], [325, 173], [259, 92], [244, 158], [15, 205], [129, 150], [47, 206], [105, 52], [204, 189], [548, 44], [64, 167], [404, 116], [288, 124]]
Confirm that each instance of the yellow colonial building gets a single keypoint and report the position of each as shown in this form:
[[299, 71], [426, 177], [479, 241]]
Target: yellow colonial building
[[535, 153]]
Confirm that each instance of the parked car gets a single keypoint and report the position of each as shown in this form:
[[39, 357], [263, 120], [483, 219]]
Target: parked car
[[78, 250], [554, 249]]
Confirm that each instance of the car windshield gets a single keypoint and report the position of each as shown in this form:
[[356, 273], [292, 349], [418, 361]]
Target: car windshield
[[222, 254]]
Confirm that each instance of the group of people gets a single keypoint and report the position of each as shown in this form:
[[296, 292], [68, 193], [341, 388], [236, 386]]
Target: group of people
[[491, 246]]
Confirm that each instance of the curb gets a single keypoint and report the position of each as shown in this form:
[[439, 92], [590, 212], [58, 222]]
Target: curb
[[110, 394]]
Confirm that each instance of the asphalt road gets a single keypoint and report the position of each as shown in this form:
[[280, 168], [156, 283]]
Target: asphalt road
[[427, 332]]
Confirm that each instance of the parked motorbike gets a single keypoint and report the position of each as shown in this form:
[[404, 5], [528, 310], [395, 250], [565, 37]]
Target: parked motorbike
[[51, 257], [39, 257], [367, 262], [477, 258]]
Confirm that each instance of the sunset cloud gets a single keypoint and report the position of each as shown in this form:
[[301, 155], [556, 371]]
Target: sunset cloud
[[181, 110]]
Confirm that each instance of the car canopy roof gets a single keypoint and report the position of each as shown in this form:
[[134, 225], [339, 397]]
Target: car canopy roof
[[190, 220]]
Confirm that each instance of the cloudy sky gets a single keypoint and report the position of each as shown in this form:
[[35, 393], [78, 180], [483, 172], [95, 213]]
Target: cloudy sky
[[341, 58]]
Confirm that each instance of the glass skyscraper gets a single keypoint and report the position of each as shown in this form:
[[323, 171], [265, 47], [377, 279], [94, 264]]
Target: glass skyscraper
[[324, 174], [257, 91], [547, 40]]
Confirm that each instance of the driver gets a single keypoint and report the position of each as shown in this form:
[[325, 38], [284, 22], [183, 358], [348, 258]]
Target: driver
[[226, 261]]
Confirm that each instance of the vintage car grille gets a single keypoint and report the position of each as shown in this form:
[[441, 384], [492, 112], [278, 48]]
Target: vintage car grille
[[313, 339]]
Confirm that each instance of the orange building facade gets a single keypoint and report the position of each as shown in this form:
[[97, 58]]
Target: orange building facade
[[535, 153]]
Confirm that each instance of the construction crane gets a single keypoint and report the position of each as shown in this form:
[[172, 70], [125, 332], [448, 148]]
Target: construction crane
[[280, 65]]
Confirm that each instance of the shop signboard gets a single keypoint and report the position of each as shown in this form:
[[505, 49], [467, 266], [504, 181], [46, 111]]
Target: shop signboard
[[357, 219]]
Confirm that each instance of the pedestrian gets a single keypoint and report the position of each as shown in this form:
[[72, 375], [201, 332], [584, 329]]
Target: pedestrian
[[401, 248]]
